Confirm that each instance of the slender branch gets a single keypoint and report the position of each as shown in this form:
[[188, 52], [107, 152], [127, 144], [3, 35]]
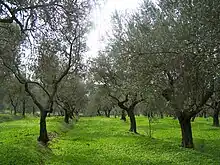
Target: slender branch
[[204, 99], [40, 85], [22, 80], [37, 103], [35, 6], [58, 103], [13, 17], [136, 102], [115, 98]]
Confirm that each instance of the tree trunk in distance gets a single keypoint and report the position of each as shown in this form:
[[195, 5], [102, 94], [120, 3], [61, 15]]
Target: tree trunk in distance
[[15, 110], [43, 128], [24, 108], [161, 115], [123, 115], [108, 113], [98, 113], [33, 110], [66, 117], [215, 118], [186, 130], [204, 114]]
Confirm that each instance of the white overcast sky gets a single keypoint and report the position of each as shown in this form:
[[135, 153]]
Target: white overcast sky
[[102, 22]]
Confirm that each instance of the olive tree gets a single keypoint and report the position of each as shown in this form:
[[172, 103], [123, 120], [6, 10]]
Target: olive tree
[[53, 30]]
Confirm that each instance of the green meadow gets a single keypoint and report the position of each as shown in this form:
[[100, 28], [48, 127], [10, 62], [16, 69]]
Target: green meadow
[[106, 141]]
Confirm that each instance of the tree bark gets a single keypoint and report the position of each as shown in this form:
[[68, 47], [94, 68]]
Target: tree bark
[[186, 130], [133, 127], [43, 128], [215, 117], [123, 115]]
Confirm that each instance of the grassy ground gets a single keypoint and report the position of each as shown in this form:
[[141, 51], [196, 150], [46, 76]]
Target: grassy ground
[[103, 141]]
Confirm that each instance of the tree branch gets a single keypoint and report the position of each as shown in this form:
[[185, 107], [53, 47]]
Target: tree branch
[[37, 103], [121, 103]]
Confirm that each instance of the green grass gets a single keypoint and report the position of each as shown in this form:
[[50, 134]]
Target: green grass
[[18, 140], [103, 141]]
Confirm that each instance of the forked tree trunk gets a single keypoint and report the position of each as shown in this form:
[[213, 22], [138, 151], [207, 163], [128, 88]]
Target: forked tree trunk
[[133, 127], [215, 118], [186, 130], [43, 128], [123, 115]]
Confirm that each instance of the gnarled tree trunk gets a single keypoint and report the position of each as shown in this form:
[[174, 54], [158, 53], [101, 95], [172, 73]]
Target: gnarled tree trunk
[[186, 130], [133, 127], [43, 128]]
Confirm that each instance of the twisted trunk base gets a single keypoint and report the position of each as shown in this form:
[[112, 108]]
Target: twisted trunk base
[[43, 128], [186, 130]]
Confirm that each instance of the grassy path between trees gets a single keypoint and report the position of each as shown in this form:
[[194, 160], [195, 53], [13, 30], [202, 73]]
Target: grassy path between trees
[[103, 141]]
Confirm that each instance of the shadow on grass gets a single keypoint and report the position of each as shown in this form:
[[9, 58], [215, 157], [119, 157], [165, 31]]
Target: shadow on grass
[[6, 118], [20, 154], [177, 155]]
